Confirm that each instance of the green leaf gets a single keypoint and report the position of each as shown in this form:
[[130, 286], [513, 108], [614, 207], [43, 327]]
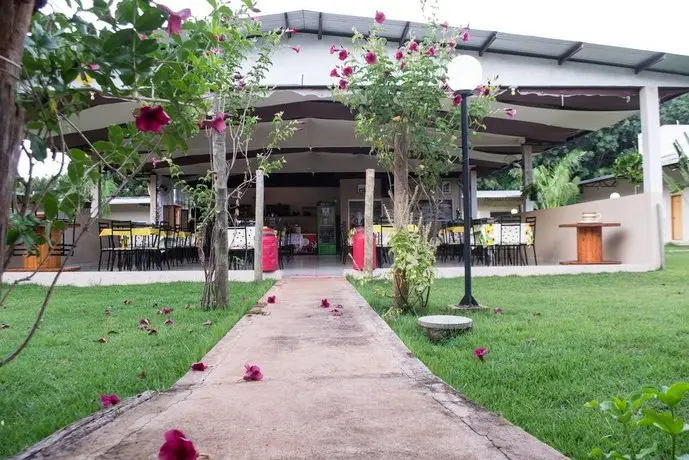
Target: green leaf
[[151, 20], [674, 394], [79, 155], [125, 11], [664, 421], [38, 149], [50, 205], [118, 39]]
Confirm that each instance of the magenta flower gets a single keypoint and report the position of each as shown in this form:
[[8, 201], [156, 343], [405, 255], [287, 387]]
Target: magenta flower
[[444, 25], [380, 17], [457, 99], [371, 57], [342, 55], [325, 303], [199, 366], [177, 447], [465, 36], [167, 310], [334, 49], [152, 119], [220, 38], [144, 323], [143, 36], [218, 123], [175, 18], [343, 84], [498, 311], [399, 55], [432, 51], [413, 46], [483, 90], [272, 299], [168, 322], [334, 73], [451, 44], [109, 400], [154, 162], [347, 71], [291, 30], [511, 112], [93, 67], [296, 49], [480, 353], [252, 372]]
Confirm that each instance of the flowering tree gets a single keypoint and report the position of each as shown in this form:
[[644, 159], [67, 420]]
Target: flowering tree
[[407, 112], [182, 79]]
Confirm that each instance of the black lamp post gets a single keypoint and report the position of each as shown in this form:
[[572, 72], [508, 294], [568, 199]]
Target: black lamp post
[[466, 74]]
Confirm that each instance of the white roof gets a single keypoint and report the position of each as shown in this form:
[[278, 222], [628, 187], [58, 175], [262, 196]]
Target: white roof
[[498, 194], [131, 200]]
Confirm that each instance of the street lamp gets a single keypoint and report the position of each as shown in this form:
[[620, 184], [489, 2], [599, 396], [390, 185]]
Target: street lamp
[[464, 75]]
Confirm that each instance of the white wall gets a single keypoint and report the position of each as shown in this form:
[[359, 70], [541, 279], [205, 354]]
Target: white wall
[[133, 212], [487, 205]]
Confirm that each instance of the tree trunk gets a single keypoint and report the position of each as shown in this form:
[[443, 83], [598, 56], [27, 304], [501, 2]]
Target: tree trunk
[[14, 24], [220, 244], [401, 207]]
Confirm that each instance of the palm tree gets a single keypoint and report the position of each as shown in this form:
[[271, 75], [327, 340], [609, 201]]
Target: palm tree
[[555, 186]]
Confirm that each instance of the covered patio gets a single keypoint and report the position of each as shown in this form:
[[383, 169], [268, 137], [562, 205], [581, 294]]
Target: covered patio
[[560, 90]]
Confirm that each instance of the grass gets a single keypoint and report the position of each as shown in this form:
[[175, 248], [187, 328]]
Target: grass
[[562, 341], [60, 375]]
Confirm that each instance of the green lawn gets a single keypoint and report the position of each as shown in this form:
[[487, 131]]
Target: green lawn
[[59, 377], [562, 341]]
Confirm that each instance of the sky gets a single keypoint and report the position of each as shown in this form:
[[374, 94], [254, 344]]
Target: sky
[[659, 25]]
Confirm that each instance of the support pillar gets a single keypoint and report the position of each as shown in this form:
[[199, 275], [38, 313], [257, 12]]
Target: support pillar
[[527, 159], [368, 220], [153, 198], [258, 241], [474, 195]]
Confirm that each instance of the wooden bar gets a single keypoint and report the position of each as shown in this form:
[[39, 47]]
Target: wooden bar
[[590, 243]]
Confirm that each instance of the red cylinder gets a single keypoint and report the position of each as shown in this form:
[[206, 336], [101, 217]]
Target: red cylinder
[[358, 249], [270, 250]]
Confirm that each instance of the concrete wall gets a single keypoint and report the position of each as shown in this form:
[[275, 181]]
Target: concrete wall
[[635, 242], [622, 186], [487, 205]]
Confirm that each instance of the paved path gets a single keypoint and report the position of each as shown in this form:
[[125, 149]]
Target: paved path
[[334, 388]]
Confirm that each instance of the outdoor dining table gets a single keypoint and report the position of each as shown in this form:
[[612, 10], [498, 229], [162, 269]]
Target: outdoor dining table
[[142, 231], [590, 243], [491, 234]]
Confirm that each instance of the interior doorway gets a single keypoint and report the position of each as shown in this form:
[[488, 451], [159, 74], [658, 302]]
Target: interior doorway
[[676, 217]]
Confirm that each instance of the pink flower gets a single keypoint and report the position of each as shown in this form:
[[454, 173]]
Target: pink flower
[[334, 73], [343, 84], [199, 367], [177, 447], [451, 44], [325, 303], [380, 17], [483, 90], [296, 49], [241, 84], [347, 71], [175, 18], [465, 36], [291, 30], [511, 112], [152, 119], [371, 57], [498, 311], [253, 372], [480, 353], [413, 46], [444, 25], [93, 67], [109, 400], [342, 55], [154, 162], [272, 299], [457, 99], [220, 38], [334, 49], [399, 55], [218, 123], [432, 51], [167, 310], [143, 36]]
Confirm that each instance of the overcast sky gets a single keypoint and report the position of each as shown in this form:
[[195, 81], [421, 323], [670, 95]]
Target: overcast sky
[[658, 25]]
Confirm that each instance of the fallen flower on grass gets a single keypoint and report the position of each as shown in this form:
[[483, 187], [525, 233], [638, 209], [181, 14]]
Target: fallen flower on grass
[[325, 303], [480, 353], [252, 372], [168, 322], [198, 367], [127, 302], [144, 323], [152, 331], [272, 299], [109, 400], [165, 311], [177, 447], [103, 340], [498, 311], [4, 326]]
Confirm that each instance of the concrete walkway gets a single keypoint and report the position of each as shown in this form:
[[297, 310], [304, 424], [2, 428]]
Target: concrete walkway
[[335, 387]]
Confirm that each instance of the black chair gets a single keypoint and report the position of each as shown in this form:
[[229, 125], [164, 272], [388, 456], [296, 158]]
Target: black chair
[[124, 245], [510, 248], [241, 257], [531, 221], [107, 245]]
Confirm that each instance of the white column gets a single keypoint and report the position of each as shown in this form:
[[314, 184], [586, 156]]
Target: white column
[[258, 236], [527, 159], [474, 197], [153, 198], [650, 140]]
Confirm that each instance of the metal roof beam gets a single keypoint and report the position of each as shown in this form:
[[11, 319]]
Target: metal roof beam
[[405, 31], [567, 55], [653, 60], [320, 26], [289, 34], [489, 41]]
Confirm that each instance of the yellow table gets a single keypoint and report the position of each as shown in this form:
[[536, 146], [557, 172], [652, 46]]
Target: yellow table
[[142, 231]]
